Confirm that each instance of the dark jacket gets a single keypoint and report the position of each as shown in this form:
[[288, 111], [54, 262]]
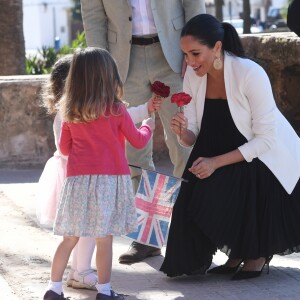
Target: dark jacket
[[293, 16]]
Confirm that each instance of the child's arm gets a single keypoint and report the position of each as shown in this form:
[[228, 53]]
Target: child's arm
[[141, 112], [57, 124], [138, 113], [65, 141], [57, 129], [137, 137]]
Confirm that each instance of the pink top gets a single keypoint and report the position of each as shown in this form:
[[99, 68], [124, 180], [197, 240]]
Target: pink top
[[98, 147]]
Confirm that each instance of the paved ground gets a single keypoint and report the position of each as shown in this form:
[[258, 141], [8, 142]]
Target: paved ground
[[26, 252]]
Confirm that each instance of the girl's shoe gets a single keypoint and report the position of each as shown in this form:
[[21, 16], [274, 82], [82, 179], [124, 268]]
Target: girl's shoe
[[223, 269], [113, 296], [84, 280], [240, 275], [50, 295]]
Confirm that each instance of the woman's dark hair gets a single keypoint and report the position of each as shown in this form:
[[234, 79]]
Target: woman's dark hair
[[208, 30]]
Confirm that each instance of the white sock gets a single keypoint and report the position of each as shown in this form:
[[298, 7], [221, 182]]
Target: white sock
[[82, 254], [55, 287], [104, 288]]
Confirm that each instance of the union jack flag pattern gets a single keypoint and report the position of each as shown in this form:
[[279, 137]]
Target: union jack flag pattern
[[154, 202]]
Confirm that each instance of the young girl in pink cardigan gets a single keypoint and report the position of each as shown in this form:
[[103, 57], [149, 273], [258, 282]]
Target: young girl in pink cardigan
[[97, 197]]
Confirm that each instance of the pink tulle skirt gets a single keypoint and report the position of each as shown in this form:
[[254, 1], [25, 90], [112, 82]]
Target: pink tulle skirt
[[48, 191]]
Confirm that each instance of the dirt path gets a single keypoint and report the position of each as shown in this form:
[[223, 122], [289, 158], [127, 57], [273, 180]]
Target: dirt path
[[26, 252]]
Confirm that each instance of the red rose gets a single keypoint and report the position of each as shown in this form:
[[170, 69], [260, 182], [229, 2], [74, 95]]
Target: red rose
[[160, 89], [181, 99]]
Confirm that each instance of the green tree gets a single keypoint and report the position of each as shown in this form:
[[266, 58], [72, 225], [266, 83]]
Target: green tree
[[42, 62], [12, 49]]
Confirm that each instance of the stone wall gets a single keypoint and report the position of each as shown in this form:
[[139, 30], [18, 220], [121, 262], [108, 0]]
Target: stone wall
[[26, 131], [279, 55]]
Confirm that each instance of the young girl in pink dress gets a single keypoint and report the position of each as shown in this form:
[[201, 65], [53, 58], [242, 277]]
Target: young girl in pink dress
[[54, 173], [97, 197], [51, 181]]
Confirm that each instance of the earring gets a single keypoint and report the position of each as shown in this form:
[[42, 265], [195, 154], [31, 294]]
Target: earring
[[218, 64]]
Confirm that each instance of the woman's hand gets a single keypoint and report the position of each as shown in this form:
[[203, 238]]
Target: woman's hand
[[179, 123], [203, 167]]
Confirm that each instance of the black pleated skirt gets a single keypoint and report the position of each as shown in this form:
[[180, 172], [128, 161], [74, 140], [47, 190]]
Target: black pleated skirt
[[241, 209]]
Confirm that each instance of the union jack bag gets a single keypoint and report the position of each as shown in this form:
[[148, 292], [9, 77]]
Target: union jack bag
[[154, 201]]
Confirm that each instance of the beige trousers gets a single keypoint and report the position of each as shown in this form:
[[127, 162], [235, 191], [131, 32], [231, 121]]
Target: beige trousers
[[148, 64]]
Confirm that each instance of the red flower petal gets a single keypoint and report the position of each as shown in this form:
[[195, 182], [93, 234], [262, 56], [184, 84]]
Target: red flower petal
[[181, 99], [160, 89]]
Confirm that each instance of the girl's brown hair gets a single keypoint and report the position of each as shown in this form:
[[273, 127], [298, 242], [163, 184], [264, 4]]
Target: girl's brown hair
[[53, 89], [93, 86]]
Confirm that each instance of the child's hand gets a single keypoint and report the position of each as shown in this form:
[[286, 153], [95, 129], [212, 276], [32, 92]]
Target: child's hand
[[154, 104], [150, 122]]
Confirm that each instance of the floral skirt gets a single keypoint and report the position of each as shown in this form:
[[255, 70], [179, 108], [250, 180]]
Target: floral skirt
[[96, 206]]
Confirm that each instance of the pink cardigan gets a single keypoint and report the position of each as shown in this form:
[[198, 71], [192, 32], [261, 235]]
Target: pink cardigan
[[98, 147]]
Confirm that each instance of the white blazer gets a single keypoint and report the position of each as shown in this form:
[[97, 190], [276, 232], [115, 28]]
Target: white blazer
[[255, 114]]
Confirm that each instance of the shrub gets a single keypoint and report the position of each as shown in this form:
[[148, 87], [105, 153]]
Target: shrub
[[42, 62]]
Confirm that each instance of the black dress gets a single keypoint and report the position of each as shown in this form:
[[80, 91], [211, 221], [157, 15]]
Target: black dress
[[241, 209]]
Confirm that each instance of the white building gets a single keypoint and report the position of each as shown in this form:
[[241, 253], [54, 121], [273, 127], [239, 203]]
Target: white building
[[44, 20]]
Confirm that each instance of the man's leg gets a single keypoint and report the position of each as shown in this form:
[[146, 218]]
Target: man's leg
[[136, 92], [160, 70], [178, 154], [147, 65]]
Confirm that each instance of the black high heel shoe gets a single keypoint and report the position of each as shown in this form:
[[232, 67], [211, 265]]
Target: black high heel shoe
[[240, 275], [223, 269]]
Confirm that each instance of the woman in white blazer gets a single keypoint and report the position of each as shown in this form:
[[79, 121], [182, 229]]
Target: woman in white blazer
[[243, 189]]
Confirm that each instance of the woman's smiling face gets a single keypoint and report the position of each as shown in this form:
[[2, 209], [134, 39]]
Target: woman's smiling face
[[200, 57]]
